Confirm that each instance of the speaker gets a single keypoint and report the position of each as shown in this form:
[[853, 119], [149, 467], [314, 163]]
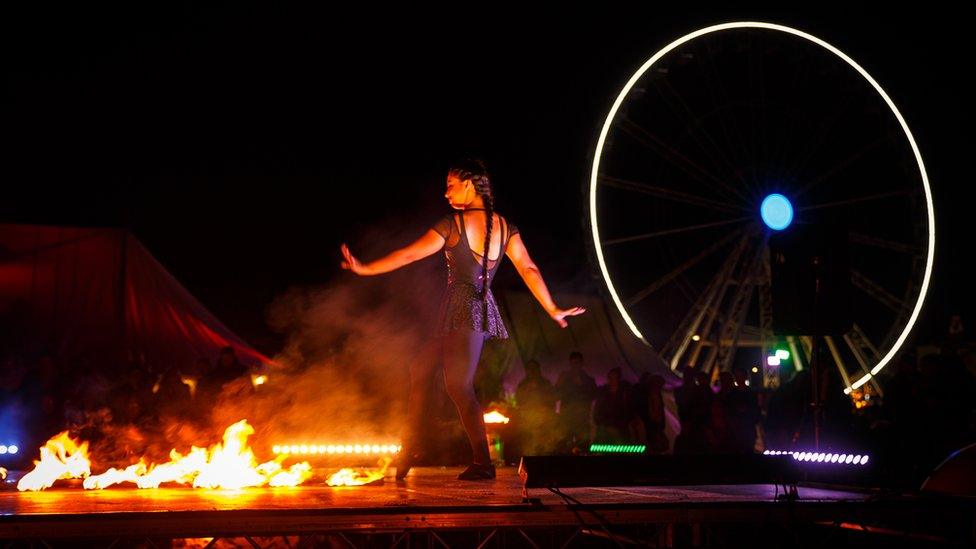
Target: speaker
[[655, 470], [811, 280]]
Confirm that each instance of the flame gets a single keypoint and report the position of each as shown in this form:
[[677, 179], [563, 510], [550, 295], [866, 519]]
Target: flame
[[115, 476], [229, 465], [191, 383], [3, 474], [358, 477], [258, 380], [62, 457], [495, 416]]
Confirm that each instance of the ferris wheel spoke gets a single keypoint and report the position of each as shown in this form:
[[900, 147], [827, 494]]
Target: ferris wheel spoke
[[676, 230], [877, 291], [849, 201], [660, 282], [785, 141], [697, 172], [839, 167], [874, 241], [661, 192], [695, 123], [734, 139], [813, 144]]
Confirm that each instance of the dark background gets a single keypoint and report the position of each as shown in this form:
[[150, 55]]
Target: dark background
[[242, 144]]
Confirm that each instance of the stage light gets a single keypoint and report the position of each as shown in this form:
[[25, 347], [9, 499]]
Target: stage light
[[783, 354], [617, 448], [772, 360], [321, 449], [13, 450], [495, 416], [822, 457], [3, 449], [776, 211]]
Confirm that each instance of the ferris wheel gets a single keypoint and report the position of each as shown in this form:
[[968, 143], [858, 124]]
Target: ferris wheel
[[725, 137]]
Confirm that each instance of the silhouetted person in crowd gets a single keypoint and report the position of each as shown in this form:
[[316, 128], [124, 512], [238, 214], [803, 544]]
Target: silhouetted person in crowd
[[639, 396], [956, 333], [536, 398], [613, 411], [742, 409], [656, 422], [694, 398], [131, 397], [227, 369], [576, 391]]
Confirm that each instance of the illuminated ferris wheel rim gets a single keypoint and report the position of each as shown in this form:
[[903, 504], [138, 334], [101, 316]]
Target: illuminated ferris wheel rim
[[930, 211]]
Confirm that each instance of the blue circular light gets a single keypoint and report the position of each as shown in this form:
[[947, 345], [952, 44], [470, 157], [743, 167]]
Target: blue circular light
[[777, 212]]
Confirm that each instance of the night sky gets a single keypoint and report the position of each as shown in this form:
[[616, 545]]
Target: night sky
[[242, 145]]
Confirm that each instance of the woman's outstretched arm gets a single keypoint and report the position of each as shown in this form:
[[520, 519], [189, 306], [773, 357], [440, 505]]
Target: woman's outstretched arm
[[424, 246], [530, 273]]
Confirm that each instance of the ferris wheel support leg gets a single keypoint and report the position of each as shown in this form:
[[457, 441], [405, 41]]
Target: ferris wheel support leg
[[858, 353], [722, 280], [732, 328], [838, 360], [797, 358]]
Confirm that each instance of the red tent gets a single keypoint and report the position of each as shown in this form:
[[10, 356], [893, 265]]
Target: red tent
[[99, 295]]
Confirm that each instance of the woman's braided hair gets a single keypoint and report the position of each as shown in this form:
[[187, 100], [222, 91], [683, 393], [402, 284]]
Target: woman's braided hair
[[476, 171]]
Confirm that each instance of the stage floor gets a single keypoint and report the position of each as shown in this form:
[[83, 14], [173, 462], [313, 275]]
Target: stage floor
[[430, 498], [424, 487]]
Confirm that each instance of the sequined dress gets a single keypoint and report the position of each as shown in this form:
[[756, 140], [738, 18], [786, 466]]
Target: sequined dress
[[461, 308]]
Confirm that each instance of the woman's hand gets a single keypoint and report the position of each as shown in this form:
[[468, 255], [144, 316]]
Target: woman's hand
[[350, 263], [559, 315]]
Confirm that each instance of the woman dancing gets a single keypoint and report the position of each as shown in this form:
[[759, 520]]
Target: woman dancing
[[473, 239]]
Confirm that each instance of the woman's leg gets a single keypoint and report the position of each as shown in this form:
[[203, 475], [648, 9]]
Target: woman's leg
[[462, 349], [424, 367]]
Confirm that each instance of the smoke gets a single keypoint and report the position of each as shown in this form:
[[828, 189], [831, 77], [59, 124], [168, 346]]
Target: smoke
[[343, 373]]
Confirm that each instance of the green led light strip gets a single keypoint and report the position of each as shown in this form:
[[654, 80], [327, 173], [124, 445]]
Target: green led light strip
[[617, 448]]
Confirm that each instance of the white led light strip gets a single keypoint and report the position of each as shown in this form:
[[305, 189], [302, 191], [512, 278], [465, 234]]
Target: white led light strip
[[930, 253], [822, 457], [335, 449]]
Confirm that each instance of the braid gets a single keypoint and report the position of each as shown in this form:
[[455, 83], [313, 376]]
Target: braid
[[489, 201], [475, 170]]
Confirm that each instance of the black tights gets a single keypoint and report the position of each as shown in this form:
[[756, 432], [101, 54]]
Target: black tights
[[457, 354]]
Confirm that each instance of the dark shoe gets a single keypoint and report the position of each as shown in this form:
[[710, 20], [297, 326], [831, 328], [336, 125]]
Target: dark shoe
[[403, 462], [477, 471]]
